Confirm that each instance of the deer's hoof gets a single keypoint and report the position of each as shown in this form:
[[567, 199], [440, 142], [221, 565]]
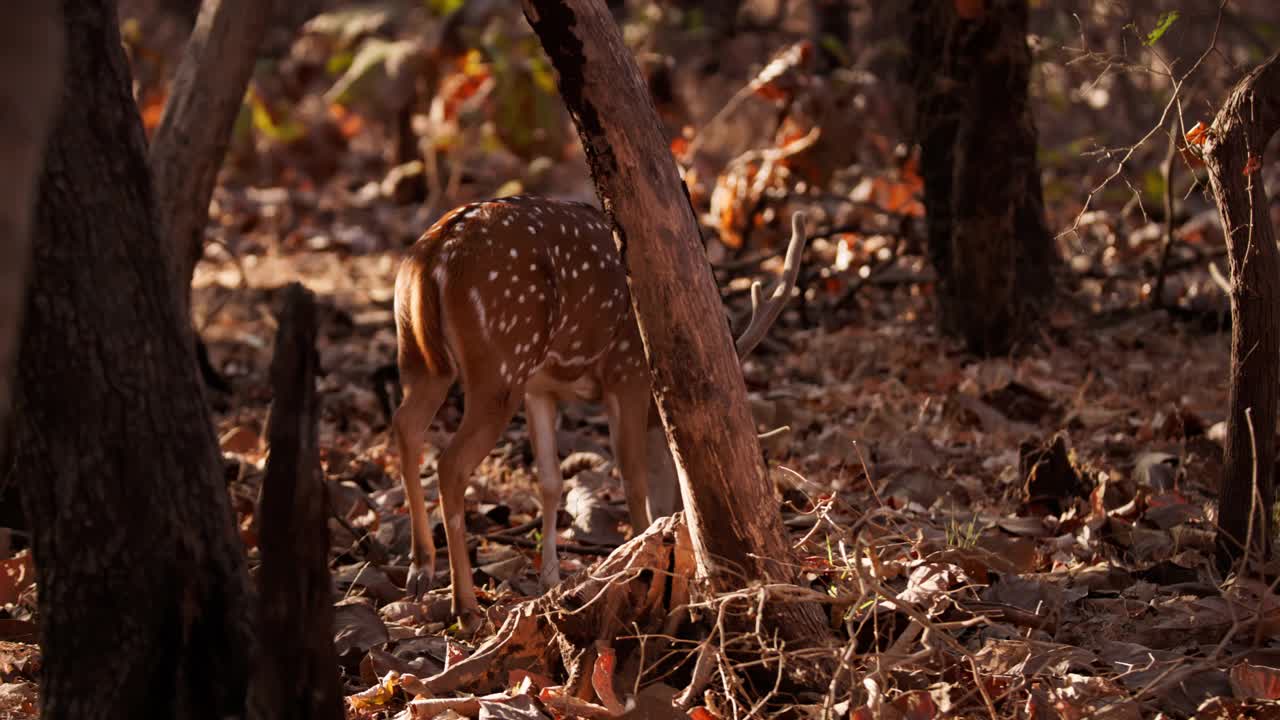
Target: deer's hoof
[[469, 621], [420, 580], [549, 577]]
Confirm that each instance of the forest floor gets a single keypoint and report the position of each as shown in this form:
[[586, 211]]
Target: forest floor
[[1025, 536], [1070, 574]]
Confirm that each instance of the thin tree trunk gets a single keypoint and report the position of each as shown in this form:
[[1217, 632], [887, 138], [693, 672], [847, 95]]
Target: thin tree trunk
[[195, 129], [30, 74], [733, 515], [988, 237], [143, 593], [1233, 153], [297, 670]]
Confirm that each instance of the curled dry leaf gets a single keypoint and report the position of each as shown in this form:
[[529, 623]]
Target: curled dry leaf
[[1250, 681]]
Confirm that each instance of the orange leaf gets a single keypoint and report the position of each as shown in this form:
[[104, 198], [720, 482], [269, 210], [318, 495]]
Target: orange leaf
[[897, 197], [1253, 165], [1255, 681], [152, 109], [916, 705], [602, 681], [970, 9], [702, 713], [1198, 134], [349, 123], [815, 562], [680, 147], [515, 677]]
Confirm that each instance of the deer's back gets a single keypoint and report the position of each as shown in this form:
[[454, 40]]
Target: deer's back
[[529, 290]]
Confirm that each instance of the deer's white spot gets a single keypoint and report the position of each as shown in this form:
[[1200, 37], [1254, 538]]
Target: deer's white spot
[[493, 275], [515, 253]]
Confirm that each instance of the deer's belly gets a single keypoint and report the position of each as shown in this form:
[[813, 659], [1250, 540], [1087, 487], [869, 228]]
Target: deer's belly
[[567, 384]]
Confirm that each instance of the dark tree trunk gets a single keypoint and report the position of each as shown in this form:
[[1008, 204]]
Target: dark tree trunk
[[1233, 153], [143, 591], [297, 670], [30, 72], [988, 238], [733, 515]]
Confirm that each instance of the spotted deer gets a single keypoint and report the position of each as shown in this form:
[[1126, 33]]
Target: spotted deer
[[526, 298]]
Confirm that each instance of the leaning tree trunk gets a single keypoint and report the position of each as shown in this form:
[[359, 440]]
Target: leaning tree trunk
[[143, 591], [988, 238], [733, 516], [30, 71], [1233, 153], [195, 129]]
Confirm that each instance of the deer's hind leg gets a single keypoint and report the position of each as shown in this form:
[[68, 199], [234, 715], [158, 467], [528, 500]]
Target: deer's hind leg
[[424, 393]]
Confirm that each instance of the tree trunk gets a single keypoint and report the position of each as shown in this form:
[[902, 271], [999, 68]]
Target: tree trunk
[[1233, 153], [30, 72], [143, 591], [297, 670], [732, 512], [988, 238], [195, 129]]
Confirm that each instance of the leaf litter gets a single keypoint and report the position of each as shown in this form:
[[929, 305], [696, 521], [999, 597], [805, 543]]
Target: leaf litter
[[1013, 537]]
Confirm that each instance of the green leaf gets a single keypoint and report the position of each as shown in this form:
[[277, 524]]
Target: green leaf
[[444, 8], [1165, 22], [339, 62], [378, 69], [285, 130]]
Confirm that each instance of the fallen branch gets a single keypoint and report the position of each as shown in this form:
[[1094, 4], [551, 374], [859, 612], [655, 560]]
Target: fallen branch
[[638, 585]]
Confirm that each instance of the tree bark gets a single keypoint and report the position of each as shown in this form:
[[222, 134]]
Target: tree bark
[[297, 669], [988, 237], [733, 515], [1233, 153], [195, 129], [30, 73], [142, 603]]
